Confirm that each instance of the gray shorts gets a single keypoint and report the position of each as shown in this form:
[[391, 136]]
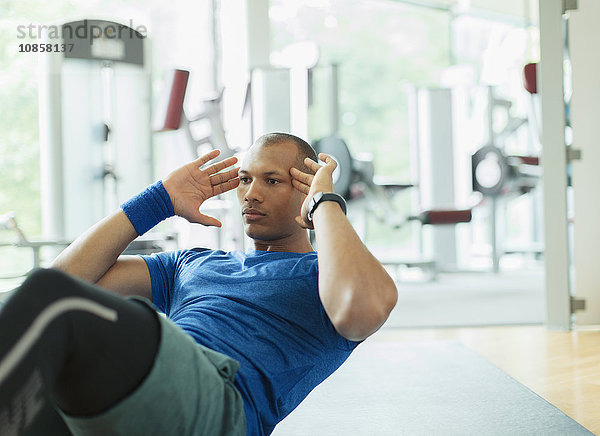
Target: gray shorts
[[189, 391]]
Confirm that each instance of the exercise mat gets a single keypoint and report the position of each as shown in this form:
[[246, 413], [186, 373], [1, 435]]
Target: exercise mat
[[424, 388]]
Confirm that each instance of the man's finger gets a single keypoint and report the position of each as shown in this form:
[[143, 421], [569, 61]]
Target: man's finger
[[216, 179], [226, 186], [329, 161], [208, 220], [312, 164], [303, 224], [303, 177], [302, 187], [221, 165], [205, 158]]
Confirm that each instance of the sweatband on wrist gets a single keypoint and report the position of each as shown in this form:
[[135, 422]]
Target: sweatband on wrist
[[149, 207]]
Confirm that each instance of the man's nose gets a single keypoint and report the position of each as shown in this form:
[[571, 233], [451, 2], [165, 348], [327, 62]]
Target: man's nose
[[253, 193]]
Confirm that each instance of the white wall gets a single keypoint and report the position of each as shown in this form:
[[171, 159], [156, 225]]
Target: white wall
[[584, 34], [554, 166]]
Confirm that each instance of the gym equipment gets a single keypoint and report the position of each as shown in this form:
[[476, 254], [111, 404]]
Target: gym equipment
[[434, 166], [354, 179], [501, 177], [530, 84], [171, 115], [274, 102], [95, 135], [9, 222], [278, 96], [267, 102], [95, 142], [494, 173], [530, 77]]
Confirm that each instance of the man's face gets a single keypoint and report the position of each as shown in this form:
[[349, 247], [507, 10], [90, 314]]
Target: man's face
[[268, 200]]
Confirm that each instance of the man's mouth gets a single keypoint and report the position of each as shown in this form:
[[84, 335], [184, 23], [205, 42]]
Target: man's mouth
[[252, 214]]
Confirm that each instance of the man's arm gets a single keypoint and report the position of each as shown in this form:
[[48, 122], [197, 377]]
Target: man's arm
[[95, 255], [356, 291]]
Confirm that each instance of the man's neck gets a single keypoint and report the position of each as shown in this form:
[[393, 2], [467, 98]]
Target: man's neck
[[293, 244]]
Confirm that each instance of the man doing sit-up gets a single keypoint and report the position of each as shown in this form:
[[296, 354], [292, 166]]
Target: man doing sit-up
[[247, 335]]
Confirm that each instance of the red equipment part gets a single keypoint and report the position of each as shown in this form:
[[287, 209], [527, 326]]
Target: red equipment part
[[453, 216], [172, 108], [530, 78]]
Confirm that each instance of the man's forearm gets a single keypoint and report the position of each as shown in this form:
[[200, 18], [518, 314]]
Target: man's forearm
[[352, 283], [92, 254]]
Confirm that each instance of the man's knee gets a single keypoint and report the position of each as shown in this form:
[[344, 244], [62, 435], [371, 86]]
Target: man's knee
[[44, 275], [48, 284]]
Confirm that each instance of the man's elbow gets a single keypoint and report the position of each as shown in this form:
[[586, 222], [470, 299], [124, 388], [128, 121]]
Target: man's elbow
[[363, 319]]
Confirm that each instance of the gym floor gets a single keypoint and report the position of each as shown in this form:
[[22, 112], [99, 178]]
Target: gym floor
[[472, 299], [561, 367]]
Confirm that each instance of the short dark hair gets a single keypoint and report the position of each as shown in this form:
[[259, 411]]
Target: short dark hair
[[304, 148]]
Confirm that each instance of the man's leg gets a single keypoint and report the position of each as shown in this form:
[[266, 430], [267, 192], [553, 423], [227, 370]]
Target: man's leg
[[85, 347]]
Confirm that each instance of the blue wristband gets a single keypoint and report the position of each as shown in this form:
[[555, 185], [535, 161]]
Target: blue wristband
[[149, 207]]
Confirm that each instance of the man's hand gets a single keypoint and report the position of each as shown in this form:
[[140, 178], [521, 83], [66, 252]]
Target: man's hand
[[308, 184], [190, 186]]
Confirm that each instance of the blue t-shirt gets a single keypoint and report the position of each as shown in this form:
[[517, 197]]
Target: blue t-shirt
[[261, 308]]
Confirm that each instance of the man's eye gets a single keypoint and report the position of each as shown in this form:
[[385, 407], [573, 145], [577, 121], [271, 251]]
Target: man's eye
[[244, 179], [272, 181]]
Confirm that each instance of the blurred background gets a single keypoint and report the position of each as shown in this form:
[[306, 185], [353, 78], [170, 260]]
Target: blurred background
[[430, 108]]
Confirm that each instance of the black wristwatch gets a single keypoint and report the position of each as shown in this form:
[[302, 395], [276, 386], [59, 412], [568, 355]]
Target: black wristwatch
[[320, 197]]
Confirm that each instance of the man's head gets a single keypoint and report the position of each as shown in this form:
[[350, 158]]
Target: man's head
[[269, 201], [303, 148]]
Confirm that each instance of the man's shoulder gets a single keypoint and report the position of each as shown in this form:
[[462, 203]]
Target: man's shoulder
[[184, 255]]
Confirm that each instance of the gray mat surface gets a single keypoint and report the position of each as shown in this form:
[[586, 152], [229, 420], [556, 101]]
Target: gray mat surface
[[423, 388]]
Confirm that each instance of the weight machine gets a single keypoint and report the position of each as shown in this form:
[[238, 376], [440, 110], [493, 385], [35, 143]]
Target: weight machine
[[355, 179], [171, 116], [501, 177]]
